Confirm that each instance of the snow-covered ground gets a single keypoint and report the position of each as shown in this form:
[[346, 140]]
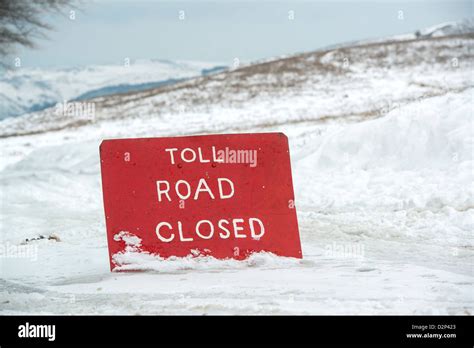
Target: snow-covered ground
[[381, 140]]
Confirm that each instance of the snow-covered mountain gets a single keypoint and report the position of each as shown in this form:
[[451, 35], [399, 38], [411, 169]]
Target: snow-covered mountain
[[462, 27], [25, 90], [381, 143], [448, 28]]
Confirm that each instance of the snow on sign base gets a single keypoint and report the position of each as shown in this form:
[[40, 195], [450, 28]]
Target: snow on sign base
[[220, 195]]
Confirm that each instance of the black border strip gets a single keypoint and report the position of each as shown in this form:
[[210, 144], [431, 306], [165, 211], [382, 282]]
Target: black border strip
[[225, 330]]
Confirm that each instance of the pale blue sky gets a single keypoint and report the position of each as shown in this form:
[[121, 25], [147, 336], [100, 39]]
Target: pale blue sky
[[218, 31]]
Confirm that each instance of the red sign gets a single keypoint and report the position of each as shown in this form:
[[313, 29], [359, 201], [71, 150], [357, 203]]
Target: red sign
[[220, 195]]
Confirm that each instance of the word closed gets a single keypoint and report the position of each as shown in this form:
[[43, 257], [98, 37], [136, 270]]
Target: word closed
[[226, 196]]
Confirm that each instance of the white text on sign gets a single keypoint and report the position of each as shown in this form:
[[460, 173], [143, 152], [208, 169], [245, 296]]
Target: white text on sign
[[167, 191]]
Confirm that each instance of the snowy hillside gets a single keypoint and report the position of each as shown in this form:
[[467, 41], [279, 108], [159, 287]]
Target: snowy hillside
[[449, 28], [381, 138], [30, 89]]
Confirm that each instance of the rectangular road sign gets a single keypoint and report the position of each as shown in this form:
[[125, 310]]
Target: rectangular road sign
[[221, 195]]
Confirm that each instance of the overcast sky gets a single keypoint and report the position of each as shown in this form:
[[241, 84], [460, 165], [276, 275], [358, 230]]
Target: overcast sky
[[218, 31]]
